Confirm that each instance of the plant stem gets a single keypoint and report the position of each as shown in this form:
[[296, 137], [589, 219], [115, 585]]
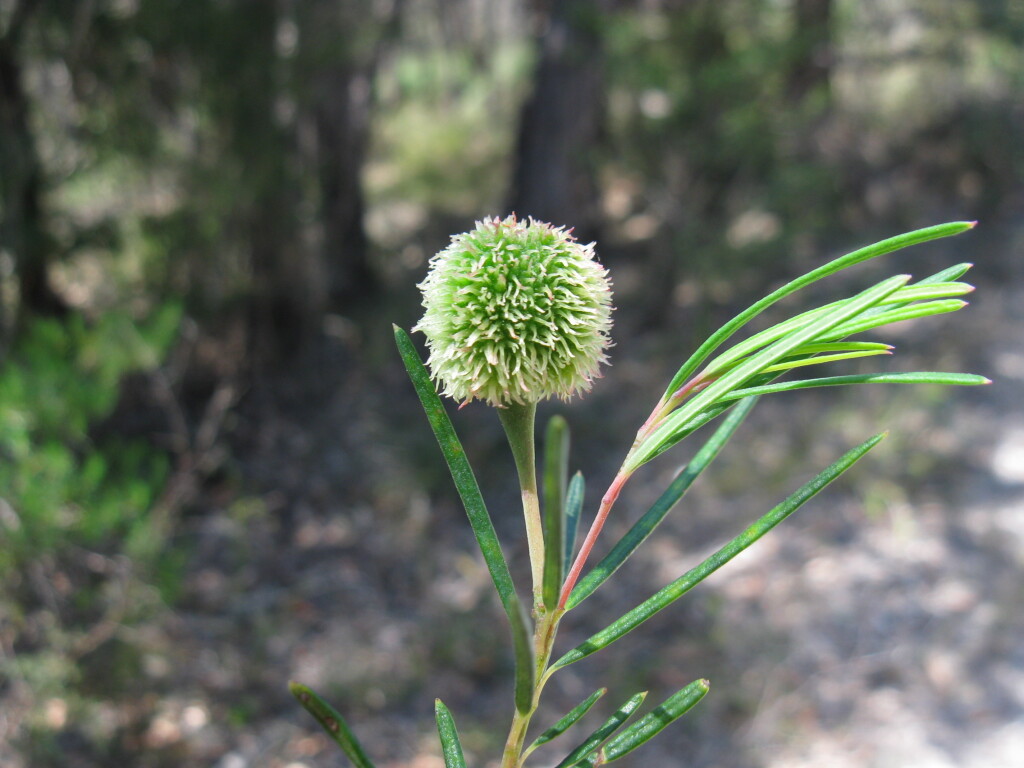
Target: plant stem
[[661, 410], [607, 502], [544, 641], [518, 421]]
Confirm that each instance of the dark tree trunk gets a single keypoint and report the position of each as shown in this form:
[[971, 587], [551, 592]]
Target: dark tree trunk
[[561, 121], [341, 50], [342, 130], [22, 216], [284, 306], [811, 63]]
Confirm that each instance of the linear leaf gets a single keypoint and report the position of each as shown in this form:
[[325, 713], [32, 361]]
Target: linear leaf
[[598, 737], [331, 722], [573, 510], [556, 481], [566, 722], [803, 362], [918, 377], [709, 414], [476, 511], [916, 292], [643, 527], [451, 747], [841, 346], [756, 364], [890, 316], [672, 592], [715, 369], [921, 291], [734, 354], [836, 265], [948, 275], [651, 724], [525, 672]]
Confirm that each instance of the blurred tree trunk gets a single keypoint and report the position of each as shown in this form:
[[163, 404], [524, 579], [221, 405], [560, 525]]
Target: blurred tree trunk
[[698, 173], [340, 50], [560, 122], [810, 66], [284, 306], [341, 117], [22, 216]]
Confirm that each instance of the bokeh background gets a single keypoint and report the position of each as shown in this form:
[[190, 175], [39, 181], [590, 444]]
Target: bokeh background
[[214, 476]]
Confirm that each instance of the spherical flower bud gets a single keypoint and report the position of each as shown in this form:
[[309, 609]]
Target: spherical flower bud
[[516, 312]]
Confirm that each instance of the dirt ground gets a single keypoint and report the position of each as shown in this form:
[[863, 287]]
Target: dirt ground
[[880, 626]]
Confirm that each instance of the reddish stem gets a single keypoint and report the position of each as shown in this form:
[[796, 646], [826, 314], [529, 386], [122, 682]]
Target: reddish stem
[[695, 384], [661, 410], [595, 529]]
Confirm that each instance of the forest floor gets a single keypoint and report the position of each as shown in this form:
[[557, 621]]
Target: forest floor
[[880, 626]]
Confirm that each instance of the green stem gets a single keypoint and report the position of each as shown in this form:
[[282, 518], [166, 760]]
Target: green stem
[[544, 642], [518, 421]]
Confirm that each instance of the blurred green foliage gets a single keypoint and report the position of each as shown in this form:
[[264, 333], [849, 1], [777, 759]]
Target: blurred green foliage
[[58, 484]]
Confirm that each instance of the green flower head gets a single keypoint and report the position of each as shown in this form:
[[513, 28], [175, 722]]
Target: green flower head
[[516, 312]]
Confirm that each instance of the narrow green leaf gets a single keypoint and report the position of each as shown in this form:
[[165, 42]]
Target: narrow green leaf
[[897, 299], [331, 722], [856, 257], [672, 592], [522, 648], [573, 510], [556, 481], [732, 356], [948, 275], [803, 362], [476, 511], [709, 414], [569, 720], [730, 361], [651, 724], [918, 377], [841, 346], [922, 291], [890, 316], [643, 527], [756, 364], [598, 737], [451, 747]]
